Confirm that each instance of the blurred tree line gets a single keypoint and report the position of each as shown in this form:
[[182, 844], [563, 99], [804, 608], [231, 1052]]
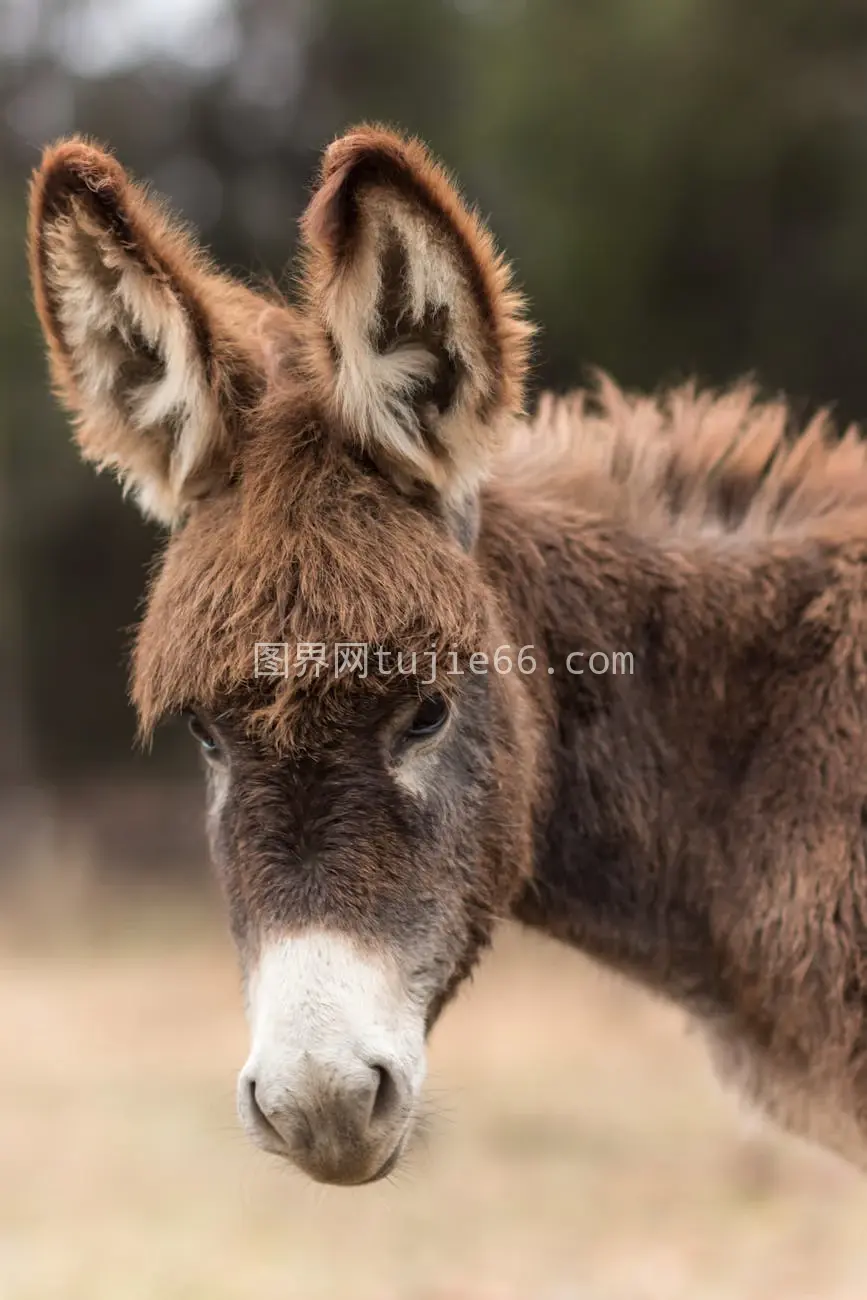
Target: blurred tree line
[[682, 185]]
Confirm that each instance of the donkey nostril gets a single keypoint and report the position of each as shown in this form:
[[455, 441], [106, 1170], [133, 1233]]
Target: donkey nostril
[[386, 1096], [260, 1119], [253, 1099]]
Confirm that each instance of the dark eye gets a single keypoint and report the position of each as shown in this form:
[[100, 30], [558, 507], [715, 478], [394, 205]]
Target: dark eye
[[202, 734], [430, 716]]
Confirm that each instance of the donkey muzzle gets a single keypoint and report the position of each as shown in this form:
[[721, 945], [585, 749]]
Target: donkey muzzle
[[337, 1058]]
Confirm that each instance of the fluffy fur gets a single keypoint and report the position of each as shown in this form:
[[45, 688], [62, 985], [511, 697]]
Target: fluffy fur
[[356, 468]]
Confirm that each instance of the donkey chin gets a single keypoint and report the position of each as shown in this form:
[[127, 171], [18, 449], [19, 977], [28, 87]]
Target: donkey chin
[[337, 1060]]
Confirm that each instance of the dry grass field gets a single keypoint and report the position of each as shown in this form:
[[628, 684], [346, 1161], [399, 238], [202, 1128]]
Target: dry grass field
[[578, 1150]]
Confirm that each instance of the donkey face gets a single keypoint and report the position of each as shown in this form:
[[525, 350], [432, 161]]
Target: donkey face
[[319, 467], [363, 876]]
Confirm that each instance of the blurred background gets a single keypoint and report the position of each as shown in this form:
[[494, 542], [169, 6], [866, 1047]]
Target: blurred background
[[682, 186]]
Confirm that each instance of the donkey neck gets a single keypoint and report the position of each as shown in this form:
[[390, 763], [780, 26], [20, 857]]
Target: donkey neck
[[643, 754]]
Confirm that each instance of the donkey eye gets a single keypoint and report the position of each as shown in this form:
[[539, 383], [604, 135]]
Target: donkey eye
[[202, 734], [430, 717]]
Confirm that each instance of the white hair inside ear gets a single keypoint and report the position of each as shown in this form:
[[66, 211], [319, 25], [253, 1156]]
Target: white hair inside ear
[[128, 306], [426, 341]]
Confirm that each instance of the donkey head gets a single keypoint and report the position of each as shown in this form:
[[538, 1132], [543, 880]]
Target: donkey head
[[319, 467]]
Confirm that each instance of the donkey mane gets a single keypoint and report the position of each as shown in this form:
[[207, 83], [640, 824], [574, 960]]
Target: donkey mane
[[690, 462]]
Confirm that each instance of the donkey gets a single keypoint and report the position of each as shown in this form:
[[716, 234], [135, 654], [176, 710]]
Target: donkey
[[354, 469]]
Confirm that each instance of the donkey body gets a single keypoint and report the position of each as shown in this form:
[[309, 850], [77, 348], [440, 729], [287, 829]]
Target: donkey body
[[354, 470]]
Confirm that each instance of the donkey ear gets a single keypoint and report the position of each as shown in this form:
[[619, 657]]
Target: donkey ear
[[422, 345], [131, 310]]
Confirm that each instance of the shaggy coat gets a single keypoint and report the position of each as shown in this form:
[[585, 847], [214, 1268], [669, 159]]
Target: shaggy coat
[[356, 467]]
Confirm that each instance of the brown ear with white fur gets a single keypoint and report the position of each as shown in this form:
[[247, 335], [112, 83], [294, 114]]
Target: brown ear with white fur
[[421, 346], [143, 335]]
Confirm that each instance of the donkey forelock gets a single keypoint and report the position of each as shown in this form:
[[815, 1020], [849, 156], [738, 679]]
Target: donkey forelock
[[311, 548]]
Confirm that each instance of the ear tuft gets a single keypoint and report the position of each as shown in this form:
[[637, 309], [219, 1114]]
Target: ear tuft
[[423, 343], [74, 169]]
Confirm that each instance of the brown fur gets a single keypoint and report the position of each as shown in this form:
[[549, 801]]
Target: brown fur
[[698, 824]]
